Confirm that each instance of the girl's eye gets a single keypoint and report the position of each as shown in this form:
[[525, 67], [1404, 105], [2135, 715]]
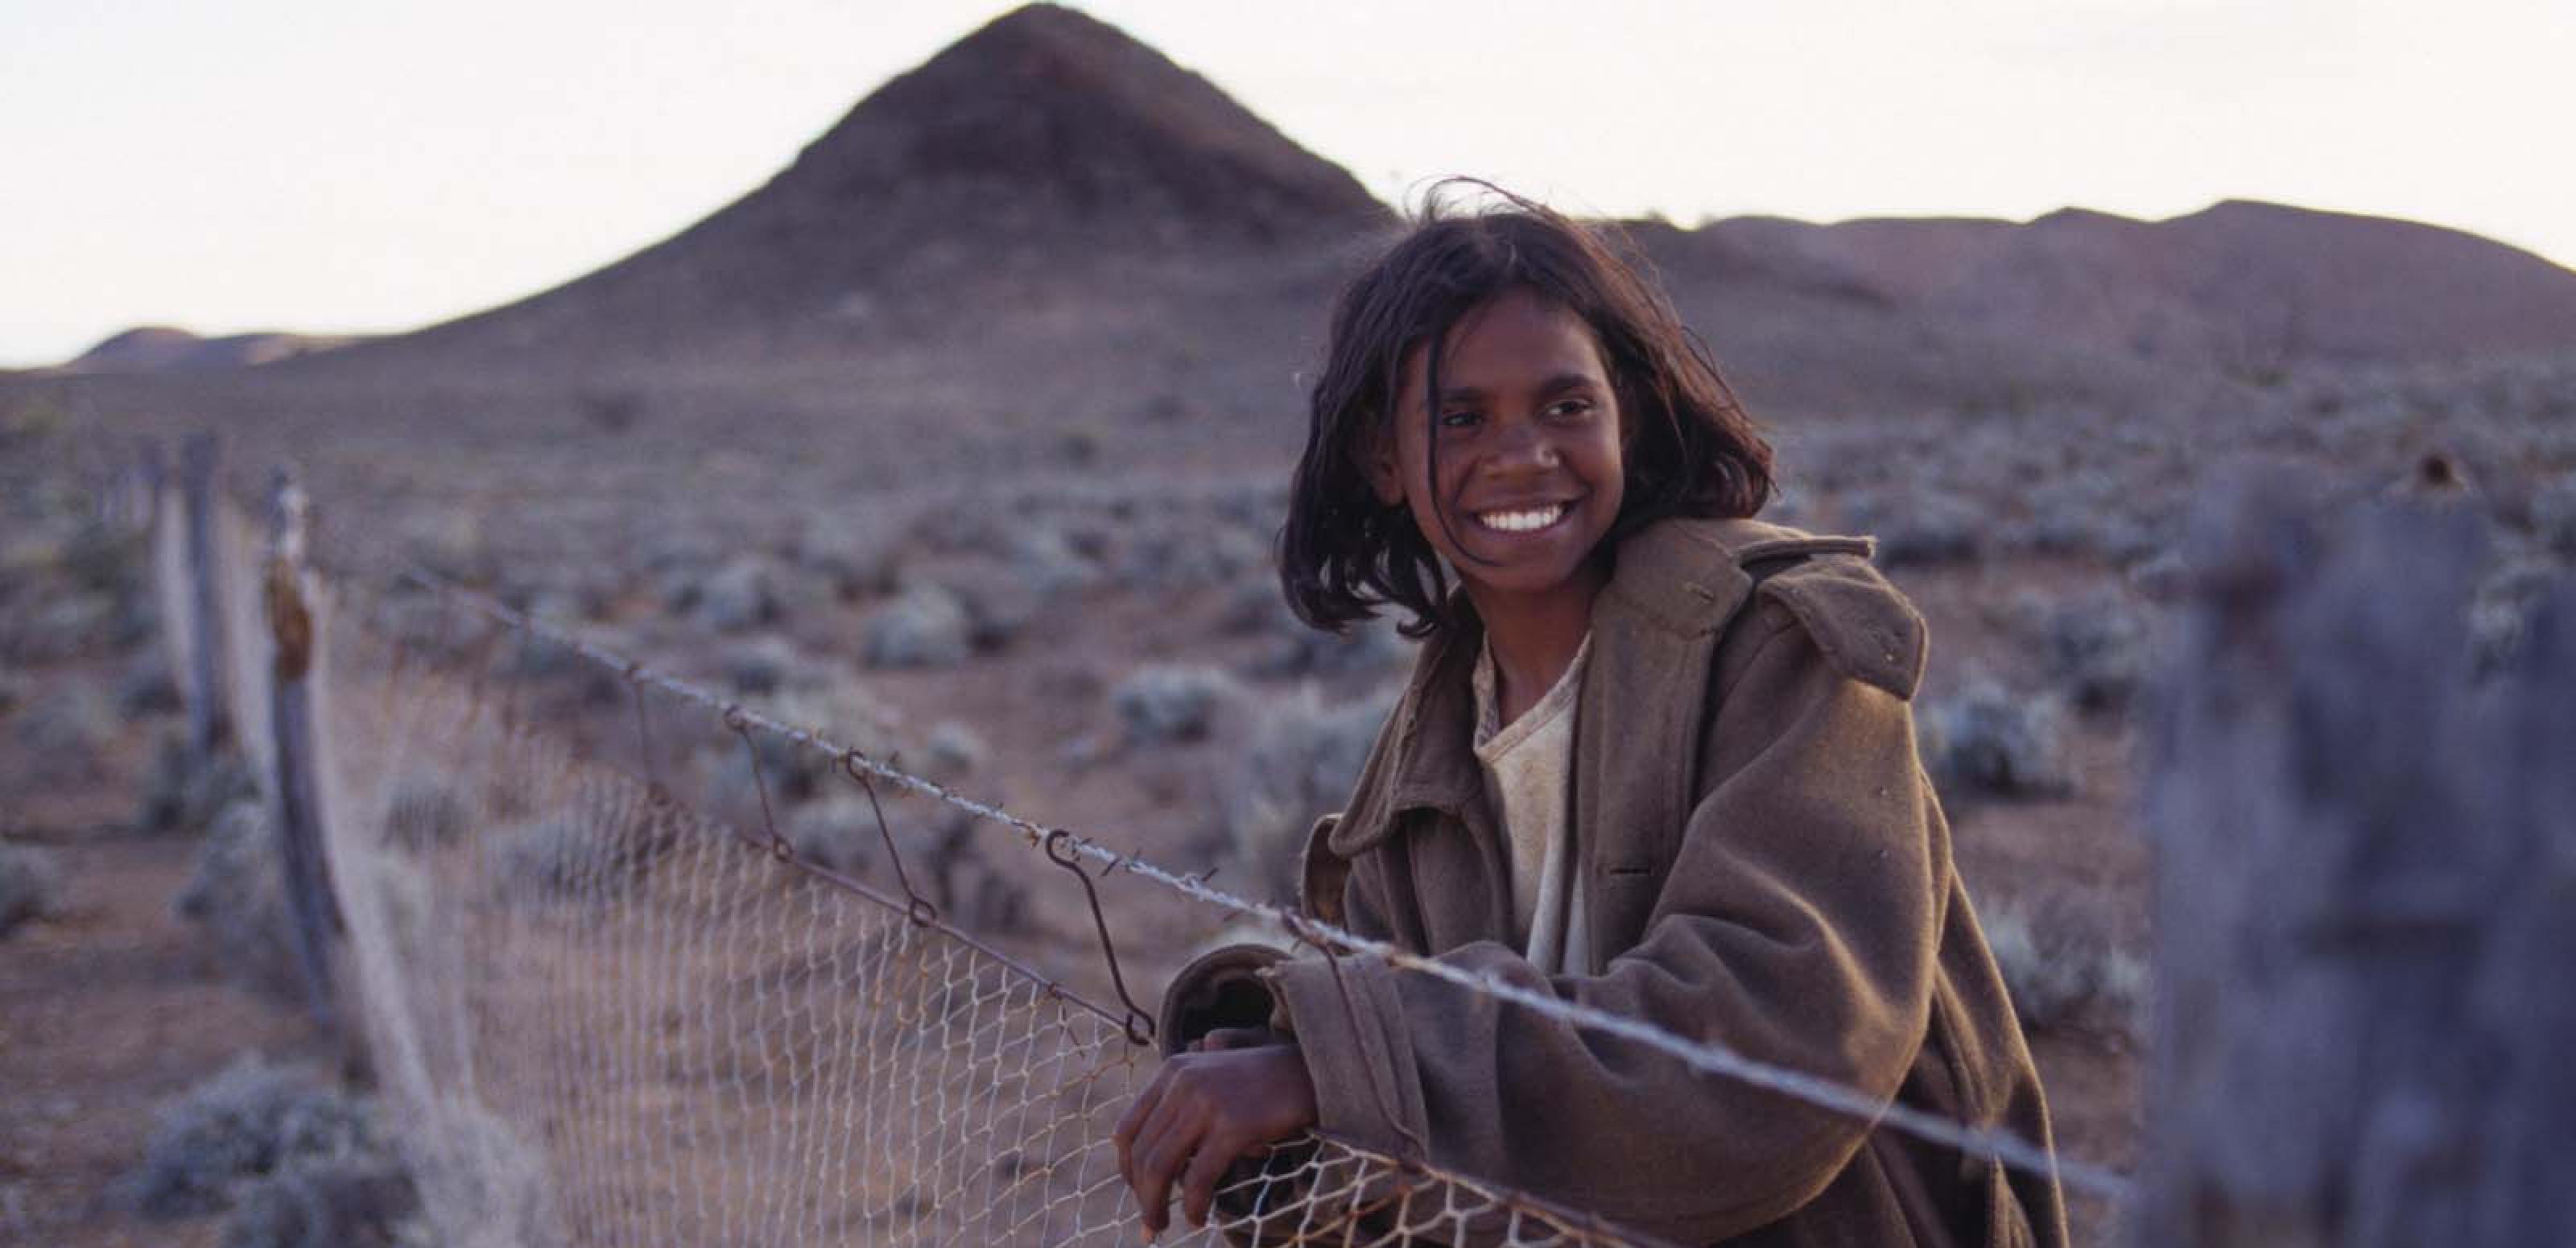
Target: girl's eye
[[1570, 408], [1459, 420]]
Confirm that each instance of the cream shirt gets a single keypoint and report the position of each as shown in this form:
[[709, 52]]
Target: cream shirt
[[1528, 767]]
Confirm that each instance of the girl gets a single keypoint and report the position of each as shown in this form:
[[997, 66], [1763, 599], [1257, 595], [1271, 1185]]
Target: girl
[[1654, 756]]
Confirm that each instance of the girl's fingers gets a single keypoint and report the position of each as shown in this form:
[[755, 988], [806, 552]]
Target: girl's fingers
[[1207, 1166], [1163, 1146], [1224, 1038], [1138, 1113]]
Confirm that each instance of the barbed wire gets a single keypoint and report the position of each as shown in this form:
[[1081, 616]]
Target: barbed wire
[[1708, 1057]]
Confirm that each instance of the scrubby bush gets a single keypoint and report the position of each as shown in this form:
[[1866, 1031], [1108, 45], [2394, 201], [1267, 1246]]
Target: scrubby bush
[[2097, 647], [1164, 703], [450, 544], [854, 562], [480, 1180], [838, 833], [2501, 613], [953, 750], [1986, 739], [1926, 528], [736, 597], [184, 791], [51, 627], [552, 857], [423, 811], [29, 885], [67, 732], [970, 890], [1000, 601], [236, 894], [296, 1162], [2060, 966], [759, 667], [1301, 761], [1182, 551], [146, 686], [926, 627], [1295, 648], [1049, 561], [2553, 515]]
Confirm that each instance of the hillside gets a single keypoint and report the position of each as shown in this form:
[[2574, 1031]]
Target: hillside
[[1044, 142], [161, 348], [2238, 282]]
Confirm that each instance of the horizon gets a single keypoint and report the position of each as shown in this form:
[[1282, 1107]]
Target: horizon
[[526, 174]]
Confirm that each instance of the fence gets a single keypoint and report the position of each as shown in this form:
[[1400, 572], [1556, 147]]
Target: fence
[[604, 1018], [608, 1019]]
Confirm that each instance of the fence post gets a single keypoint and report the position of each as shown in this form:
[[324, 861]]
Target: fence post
[[199, 456], [2365, 891], [287, 586]]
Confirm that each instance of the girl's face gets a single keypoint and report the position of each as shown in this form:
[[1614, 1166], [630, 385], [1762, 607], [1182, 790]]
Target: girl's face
[[1531, 464]]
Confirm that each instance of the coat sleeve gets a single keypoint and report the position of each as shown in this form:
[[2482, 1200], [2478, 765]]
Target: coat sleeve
[[1798, 927]]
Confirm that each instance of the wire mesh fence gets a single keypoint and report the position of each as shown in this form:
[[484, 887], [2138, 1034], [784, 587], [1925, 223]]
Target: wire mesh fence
[[611, 1020]]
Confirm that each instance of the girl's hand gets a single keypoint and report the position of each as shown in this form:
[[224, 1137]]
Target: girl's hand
[[1222, 1100]]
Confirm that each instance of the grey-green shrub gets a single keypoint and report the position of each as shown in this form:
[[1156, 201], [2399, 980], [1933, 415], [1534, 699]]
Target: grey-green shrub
[[29, 885], [1987, 739], [737, 596], [423, 811], [297, 1162], [66, 732], [2061, 967], [952, 751], [1301, 761], [838, 833], [1163, 703], [236, 894], [2553, 515], [547, 857], [927, 626], [184, 791], [146, 686], [2098, 648]]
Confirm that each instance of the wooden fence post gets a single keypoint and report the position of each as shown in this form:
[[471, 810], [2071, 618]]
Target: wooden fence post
[[288, 590], [202, 682], [2365, 891]]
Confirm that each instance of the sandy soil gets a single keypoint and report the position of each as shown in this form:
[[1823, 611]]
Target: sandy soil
[[108, 1008]]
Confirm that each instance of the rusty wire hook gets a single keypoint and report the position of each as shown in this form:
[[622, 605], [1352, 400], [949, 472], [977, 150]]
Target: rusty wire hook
[[1060, 851], [741, 725], [916, 907]]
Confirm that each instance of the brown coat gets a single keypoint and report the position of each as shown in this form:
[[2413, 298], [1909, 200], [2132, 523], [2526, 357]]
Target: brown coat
[[1770, 870]]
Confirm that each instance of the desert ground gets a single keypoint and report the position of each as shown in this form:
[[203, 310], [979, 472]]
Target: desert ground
[[967, 439]]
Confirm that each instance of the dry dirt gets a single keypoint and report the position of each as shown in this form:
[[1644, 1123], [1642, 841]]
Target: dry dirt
[[110, 1006]]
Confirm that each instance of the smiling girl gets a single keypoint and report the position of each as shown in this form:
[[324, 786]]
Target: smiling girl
[[1655, 757]]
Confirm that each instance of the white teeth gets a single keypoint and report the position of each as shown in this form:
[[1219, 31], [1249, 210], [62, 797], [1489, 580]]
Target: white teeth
[[1521, 521]]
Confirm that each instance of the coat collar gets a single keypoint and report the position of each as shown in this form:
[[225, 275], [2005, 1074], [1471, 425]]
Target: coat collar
[[1676, 581]]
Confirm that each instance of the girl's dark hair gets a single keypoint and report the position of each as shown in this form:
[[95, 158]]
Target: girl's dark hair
[[1692, 450]]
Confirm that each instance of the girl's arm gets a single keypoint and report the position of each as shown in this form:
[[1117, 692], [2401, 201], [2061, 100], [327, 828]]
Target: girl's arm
[[1798, 927]]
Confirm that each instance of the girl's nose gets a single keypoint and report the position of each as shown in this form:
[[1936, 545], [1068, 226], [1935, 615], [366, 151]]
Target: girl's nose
[[1528, 445]]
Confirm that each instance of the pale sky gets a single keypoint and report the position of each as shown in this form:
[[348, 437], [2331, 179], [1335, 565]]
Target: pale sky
[[327, 166]]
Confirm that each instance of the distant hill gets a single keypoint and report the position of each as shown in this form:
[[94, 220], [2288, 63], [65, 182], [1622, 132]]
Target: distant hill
[[161, 348], [2241, 282], [1044, 140]]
